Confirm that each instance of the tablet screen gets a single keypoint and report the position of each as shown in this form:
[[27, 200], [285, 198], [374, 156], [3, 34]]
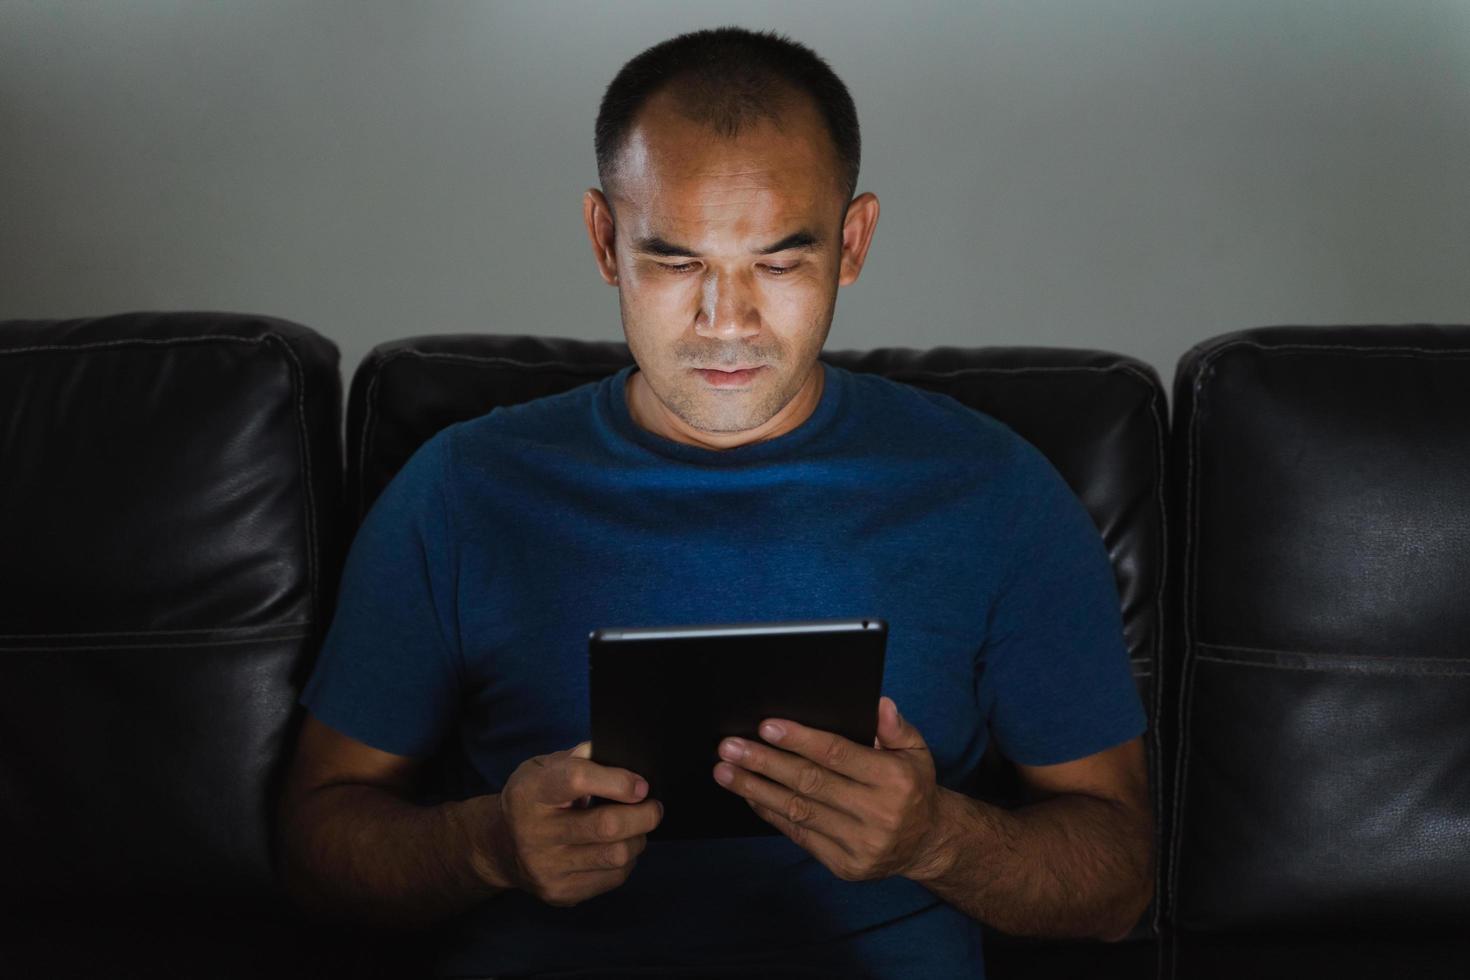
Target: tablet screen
[[662, 698]]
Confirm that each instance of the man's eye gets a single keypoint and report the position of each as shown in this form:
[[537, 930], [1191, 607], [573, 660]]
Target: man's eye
[[776, 270]]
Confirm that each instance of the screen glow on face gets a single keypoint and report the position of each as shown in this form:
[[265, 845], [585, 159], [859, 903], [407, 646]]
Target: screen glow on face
[[727, 257]]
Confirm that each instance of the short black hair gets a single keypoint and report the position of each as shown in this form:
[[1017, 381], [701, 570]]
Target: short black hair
[[728, 77]]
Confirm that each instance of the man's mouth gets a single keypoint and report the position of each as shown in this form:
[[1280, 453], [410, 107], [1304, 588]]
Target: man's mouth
[[729, 377]]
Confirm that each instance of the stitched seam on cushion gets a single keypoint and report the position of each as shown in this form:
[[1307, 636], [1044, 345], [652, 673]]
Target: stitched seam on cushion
[[152, 646], [572, 367], [1407, 667], [1186, 709], [1131, 369], [303, 443], [136, 342], [1032, 369], [1387, 351], [1186, 662], [200, 629], [1314, 655]]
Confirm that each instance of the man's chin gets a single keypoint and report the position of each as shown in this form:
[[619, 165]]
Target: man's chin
[[723, 426], [726, 422]]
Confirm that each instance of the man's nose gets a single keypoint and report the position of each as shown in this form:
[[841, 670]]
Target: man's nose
[[726, 307]]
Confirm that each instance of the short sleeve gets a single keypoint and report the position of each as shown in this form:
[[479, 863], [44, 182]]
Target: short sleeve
[[1054, 673], [390, 669]]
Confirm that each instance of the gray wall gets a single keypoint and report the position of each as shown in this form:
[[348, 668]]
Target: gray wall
[[1132, 176]]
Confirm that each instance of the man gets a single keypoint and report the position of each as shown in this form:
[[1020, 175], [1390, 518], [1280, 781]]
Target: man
[[729, 475]]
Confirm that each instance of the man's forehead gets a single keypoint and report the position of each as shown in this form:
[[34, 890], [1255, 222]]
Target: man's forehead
[[744, 220], [674, 164]]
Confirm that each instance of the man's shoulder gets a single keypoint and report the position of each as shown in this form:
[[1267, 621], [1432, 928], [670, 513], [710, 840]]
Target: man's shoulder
[[988, 446], [556, 418], [934, 418]]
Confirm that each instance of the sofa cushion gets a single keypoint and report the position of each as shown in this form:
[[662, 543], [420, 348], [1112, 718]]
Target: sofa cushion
[[1322, 477], [170, 522]]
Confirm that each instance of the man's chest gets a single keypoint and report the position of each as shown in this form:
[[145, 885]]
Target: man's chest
[[530, 594]]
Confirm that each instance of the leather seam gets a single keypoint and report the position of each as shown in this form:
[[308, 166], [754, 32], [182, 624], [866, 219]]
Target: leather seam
[[1324, 656], [1033, 369], [1385, 351], [1186, 691], [304, 448], [201, 629], [137, 341], [1408, 667], [64, 648], [571, 367]]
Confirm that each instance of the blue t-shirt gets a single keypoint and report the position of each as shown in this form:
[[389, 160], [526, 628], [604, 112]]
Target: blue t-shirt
[[472, 584]]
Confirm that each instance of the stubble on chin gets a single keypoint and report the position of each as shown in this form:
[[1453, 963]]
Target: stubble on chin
[[732, 412]]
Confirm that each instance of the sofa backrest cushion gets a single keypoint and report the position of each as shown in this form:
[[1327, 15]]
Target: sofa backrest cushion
[[1321, 477], [170, 528]]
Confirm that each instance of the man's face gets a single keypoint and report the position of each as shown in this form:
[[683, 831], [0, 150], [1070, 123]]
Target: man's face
[[727, 254]]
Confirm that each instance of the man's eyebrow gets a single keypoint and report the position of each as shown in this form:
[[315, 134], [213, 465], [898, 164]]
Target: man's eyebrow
[[802, 239], [656, 245]]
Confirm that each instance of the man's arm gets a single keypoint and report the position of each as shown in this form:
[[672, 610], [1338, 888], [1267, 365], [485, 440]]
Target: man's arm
[[1077, 864], [352, 845]]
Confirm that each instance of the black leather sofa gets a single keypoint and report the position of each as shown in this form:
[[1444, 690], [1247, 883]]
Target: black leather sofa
[[1292, 553]]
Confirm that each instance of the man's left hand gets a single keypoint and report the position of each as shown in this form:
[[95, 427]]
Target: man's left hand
[[863, 812]]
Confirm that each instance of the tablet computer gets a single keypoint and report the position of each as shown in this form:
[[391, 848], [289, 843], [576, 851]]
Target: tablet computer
[[662, 698]]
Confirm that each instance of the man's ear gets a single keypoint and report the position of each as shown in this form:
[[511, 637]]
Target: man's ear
[[600, 232], [857, 233]]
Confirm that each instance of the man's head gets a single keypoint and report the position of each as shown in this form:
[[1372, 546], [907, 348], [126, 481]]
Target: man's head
[[728, 161]]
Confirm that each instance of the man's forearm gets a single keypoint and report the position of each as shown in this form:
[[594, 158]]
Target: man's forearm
[[358, 853], [1069, 866]]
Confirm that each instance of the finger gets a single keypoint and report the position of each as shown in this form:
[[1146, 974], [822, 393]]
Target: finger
[[827, 749], [810, 814], [798, 774], [606, 824], [832, 854], [576, 776], [611, 856]]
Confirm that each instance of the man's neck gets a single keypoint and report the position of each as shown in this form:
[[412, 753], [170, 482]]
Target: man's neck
[[650, 413]]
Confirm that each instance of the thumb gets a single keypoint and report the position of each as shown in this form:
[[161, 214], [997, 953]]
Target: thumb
[[894, 731], [582, 750]]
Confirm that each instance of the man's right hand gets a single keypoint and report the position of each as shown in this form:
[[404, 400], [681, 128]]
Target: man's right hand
[[545, 842]]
